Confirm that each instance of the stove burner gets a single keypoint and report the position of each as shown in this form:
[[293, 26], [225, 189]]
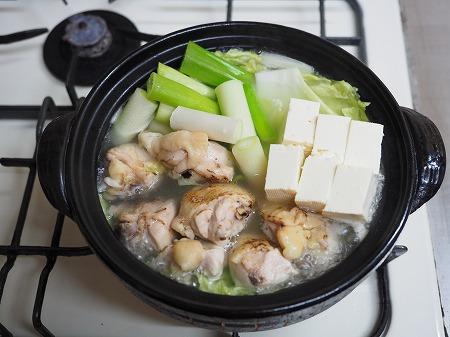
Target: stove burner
[[96, 38], [89, 33]]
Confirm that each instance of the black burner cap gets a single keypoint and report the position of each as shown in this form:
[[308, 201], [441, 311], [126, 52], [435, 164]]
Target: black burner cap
[[94, 36]]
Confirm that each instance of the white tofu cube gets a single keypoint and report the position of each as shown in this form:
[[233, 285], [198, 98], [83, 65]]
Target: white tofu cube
[[283, 172], [301, 123], [316, 181], [364, 145], [352, 194], [331, 135]]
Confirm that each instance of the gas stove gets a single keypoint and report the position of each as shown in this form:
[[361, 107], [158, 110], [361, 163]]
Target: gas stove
[[50, 283]]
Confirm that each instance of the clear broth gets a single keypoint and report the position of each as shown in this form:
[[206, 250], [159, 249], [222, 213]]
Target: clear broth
[[343, 238]]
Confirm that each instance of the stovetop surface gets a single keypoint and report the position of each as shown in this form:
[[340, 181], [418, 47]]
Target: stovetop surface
[[83, 298]]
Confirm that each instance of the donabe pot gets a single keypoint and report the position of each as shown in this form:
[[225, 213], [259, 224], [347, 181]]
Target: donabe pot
[[413, 158]]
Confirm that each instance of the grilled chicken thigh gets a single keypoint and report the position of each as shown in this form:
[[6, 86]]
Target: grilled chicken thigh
[[131, 168], [146, 226], [293, 229], [214, 213], [190, 155], [255, 263], [283, 215]]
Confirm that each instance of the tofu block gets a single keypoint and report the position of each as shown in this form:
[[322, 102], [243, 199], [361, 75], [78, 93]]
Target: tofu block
[[352, 194], [283, 172], [301, 123], [331, 135], [364, 145], [315, 182]]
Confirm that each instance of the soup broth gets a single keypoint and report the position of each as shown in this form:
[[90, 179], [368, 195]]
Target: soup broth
[[203, 207]]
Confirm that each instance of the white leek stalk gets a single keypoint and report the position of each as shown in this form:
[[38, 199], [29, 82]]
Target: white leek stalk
[[217, 127], [251, 159], [163, 113], [136, 115], [232, 102], [158, 127]]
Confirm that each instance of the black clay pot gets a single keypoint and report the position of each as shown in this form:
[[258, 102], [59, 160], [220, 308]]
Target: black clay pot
[[413, 157]]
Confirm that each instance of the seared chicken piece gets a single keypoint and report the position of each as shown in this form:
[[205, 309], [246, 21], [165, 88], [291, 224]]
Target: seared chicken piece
[[146, 226], [164, 259], [255, 263], [270, 230], [214, 213], [282, 215], [294, 230], [217, 167], [316, 232], [214, 260], [190, 155], [131, 168], [292, 241]]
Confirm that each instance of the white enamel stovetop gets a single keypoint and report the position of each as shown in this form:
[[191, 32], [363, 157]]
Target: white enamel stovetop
[[83, 297]]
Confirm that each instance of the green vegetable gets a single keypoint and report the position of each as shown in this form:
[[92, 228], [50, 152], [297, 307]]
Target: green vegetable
[[176, 76], [105, 207], [163, 113], [209, 68], [275, 88], [136, 115], [233, 103], [248, 60], [339, 96], [308, 94], [252, 161], [223, 286], [164, 90], [158, 127], [264, 128]]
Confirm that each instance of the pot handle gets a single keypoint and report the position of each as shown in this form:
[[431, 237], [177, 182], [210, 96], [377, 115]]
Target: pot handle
[[430, 156], [50, 161]]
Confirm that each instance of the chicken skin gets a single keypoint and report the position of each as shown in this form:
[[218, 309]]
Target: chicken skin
[[190, 155], [146, 226], [214, 213], [131, 169], [256, 263]]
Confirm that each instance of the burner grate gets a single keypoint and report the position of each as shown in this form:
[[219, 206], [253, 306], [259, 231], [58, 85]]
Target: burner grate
[[48, 110], [11, 252]]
